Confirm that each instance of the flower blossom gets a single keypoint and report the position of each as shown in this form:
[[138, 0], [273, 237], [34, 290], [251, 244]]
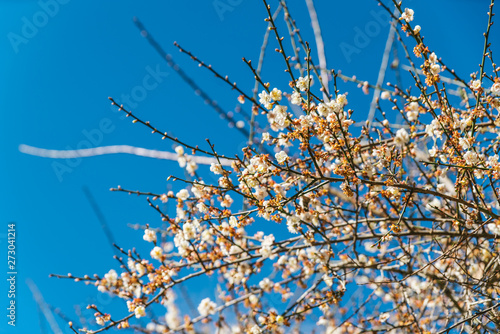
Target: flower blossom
[[275, 94], [267, 243], [157, 253], [407, 15], [278, 118], [402, 137], [140, 311], [183, 195], [281, 157], [476, 84], [265, 99], [495, 88], [412, 112], [149, 235], [206, 307], [302, 83], [296, 98], [216, 168]]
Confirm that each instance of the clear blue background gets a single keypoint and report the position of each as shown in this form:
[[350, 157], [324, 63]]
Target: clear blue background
[[56, 86]]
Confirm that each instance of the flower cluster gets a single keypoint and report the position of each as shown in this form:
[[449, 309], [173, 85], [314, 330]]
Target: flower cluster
[[316, 206]]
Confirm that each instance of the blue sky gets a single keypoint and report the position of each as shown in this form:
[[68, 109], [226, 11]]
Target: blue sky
[[55, 82]]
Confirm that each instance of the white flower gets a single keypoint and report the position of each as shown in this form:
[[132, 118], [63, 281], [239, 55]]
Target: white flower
[[412, 115], [296, 98], [206, 307], [281, 157], [278, 118], [492, 161], [341, 100], [189, 231], [227, 201], [471, 158], [293, 224], [224, 182], [164, 198], [182, 195], [464, 123], [402, 137], [233, 221], [385, 95], [265, 99], [495, 103], [433, 151], [407, 15], [417, 29], [100, 321], [433, 58], [267, 243], [207, 236], [133, 266], [182, 161], [283, 140], [293, 264], [266, 284], [191, 167], [412, 111], [476, 84], [494, 228], [413, 106], [179, 150], [181, 214], [202, 207], [216, 168], [149, 235], [275, 94], [464, 143], [434, 129], [323, 109], [265, 136], [280, 114], [302, 82], [495, 88], [259, 164], [156, 253], [435, 69], [140, 311], [253, 299], [111, 277]]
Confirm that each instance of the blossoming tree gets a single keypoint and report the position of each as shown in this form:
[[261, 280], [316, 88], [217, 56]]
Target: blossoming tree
[[408, 214]]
